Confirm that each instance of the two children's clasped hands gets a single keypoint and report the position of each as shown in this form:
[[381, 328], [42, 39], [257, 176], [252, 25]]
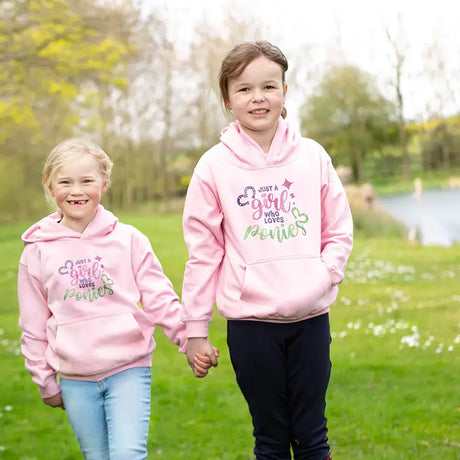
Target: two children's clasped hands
[[201, 355]]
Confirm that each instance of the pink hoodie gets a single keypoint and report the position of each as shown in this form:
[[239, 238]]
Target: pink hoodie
[[78, 300], [268, 235]]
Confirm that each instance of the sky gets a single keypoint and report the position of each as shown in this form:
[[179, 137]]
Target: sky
[[319, 32]]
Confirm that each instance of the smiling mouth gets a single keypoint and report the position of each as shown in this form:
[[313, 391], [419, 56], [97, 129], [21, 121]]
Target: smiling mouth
[[259, 111], [77, 202]]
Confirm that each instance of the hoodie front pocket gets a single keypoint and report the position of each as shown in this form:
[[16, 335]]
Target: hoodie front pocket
[[95, 345], [285, 288]]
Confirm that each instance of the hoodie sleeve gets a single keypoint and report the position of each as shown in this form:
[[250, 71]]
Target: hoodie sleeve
[[204, 239], [336, 222], [157, 295], [33, 317]]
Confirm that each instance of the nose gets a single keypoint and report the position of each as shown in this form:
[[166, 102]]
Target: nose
[[258, 95], [75, 190]]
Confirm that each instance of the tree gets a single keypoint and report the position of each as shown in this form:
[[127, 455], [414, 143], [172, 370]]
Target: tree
[[208, 49], [52, 53], [399, 60], [55, 55], [440, 143], [348, 115]]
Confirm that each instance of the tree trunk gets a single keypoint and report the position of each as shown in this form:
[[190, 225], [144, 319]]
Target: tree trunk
[[405, 153]]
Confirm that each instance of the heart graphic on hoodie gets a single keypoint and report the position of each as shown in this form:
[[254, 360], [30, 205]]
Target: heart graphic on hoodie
[[65, 269], [245, 195]]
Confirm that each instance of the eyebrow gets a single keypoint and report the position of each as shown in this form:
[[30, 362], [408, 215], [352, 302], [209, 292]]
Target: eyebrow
[[86, 176], [264, 82]]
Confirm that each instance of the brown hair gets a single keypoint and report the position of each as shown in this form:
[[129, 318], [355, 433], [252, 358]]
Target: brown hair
[[241, 56]]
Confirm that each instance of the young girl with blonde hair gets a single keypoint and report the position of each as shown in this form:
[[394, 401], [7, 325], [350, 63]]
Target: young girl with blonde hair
[[82, 276]]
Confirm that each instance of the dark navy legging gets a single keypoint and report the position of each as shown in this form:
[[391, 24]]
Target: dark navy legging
[[283, 371]]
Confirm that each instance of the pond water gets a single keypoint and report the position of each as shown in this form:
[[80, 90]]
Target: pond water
[[433, 217]]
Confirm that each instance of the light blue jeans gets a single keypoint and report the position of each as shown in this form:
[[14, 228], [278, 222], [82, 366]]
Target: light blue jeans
[[110, 418]]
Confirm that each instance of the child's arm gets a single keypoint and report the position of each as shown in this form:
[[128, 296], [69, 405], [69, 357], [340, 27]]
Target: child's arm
[[336, 223], [158, 298], [161, 303], [33, 318], [204, 238]]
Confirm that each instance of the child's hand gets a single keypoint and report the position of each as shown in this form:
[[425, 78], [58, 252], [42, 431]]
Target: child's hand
[[54, 401], [202, 363], [202, 346]]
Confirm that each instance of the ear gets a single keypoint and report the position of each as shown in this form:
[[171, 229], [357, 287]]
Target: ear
[[104, 187], [228, 105], [52, 192], [285, 88]]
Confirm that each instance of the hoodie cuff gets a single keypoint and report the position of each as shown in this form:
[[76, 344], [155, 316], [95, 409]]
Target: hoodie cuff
[[52, 389], [196, 329], [183, 347]]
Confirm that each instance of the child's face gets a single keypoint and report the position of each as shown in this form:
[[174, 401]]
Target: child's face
[[77, 188], [257, 97]]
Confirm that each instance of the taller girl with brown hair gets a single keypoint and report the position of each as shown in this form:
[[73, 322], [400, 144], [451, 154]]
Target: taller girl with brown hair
[[269, 231]]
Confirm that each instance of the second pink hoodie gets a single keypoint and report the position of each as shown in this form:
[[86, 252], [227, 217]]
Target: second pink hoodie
[[80, 297], [268, 234]]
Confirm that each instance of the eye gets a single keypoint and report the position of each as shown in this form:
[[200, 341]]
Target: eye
[[243, 90], [270, 87], [88, 181], [64, 182]]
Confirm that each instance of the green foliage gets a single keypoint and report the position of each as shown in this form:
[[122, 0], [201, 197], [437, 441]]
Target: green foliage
[[375, 222], [55, 56], [349, 116], [441, 145], [393, 392], [386, 164]]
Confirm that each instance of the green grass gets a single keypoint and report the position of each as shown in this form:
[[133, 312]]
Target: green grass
[[394, 391]]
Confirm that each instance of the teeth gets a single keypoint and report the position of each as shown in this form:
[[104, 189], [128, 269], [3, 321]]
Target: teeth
[[77, 202], [259, 111]]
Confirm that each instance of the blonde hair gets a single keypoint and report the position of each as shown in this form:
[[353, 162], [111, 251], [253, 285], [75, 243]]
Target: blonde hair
[[241, 56], [69, 150]]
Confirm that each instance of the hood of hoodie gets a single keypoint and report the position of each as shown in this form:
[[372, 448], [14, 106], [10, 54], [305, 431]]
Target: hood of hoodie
[[49, 228], [249, 154]]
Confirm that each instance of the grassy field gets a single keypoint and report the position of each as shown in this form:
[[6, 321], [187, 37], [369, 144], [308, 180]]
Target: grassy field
[[394, 392]]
